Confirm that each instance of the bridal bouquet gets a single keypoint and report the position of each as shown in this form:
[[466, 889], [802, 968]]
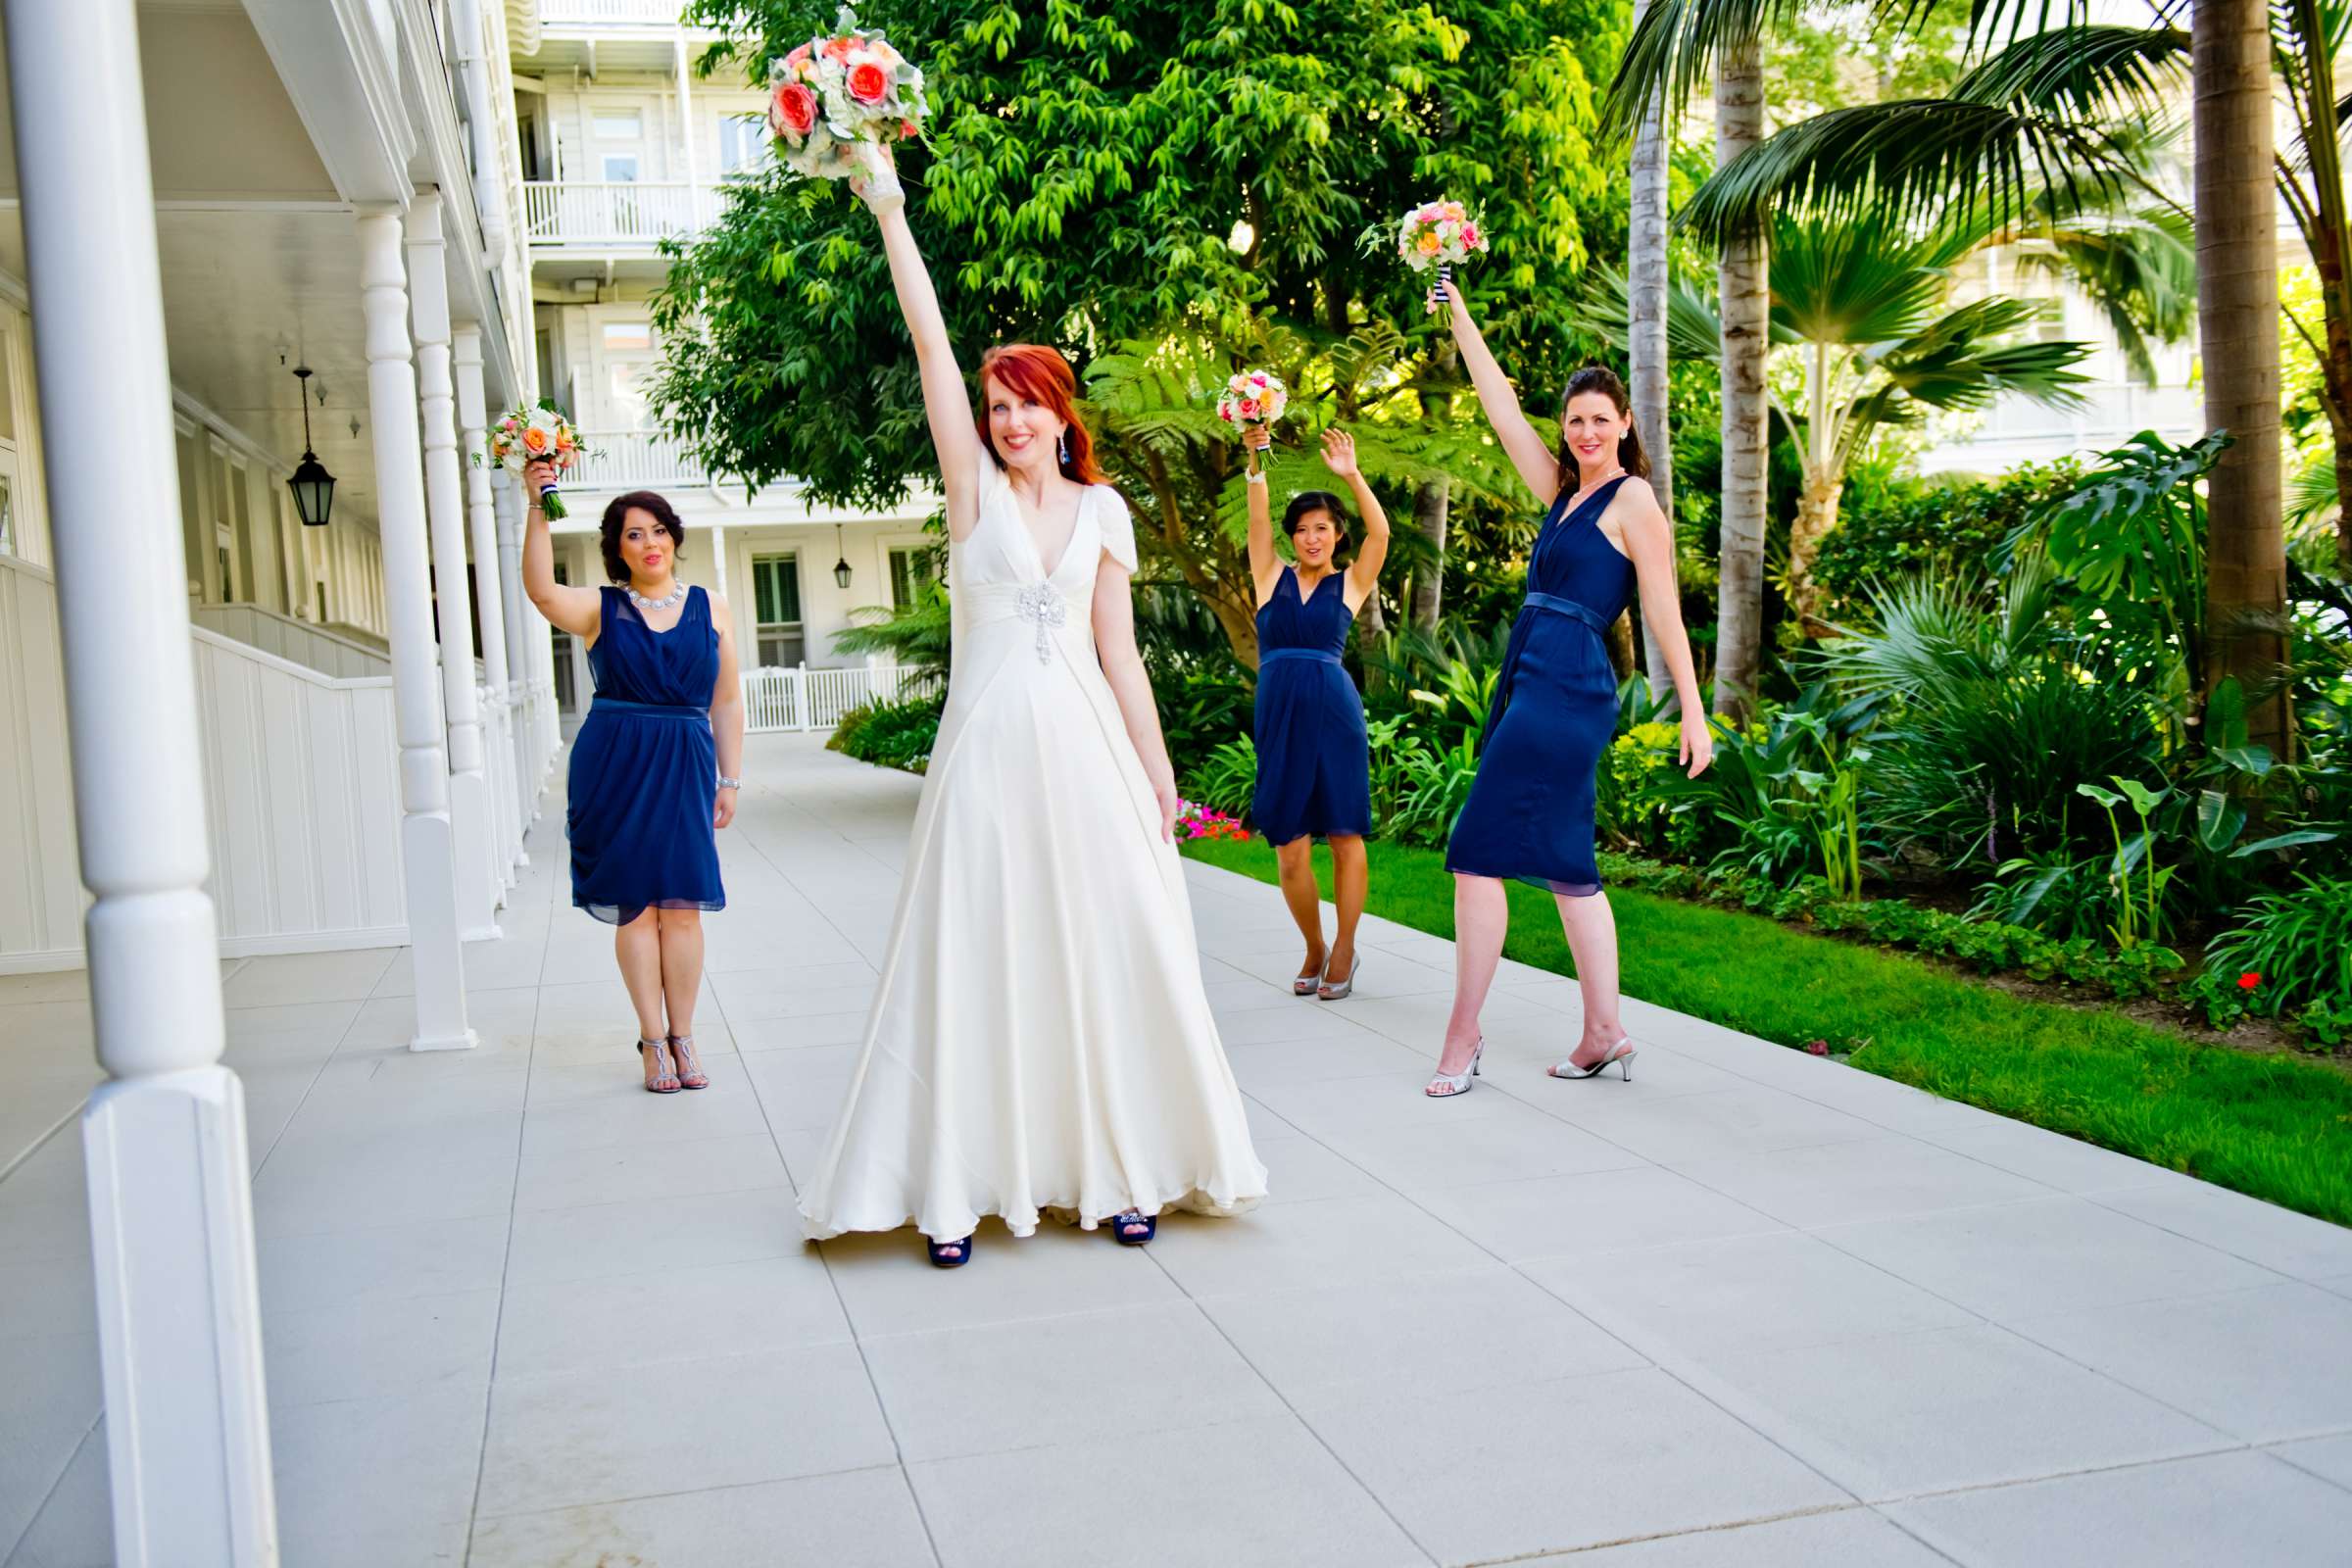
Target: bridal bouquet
[[1254, 397], [1442, 234], [831, 95], [537, 434]]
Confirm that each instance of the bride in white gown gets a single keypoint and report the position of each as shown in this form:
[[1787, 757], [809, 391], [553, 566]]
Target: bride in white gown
[[1038, 1039]]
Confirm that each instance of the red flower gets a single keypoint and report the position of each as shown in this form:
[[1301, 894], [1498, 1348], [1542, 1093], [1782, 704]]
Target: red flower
[[869, 83], [1817, 1048], [792, 111], [2248, 981]]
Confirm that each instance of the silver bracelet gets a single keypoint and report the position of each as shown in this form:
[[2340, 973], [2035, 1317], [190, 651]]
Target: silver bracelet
[[726, 783]]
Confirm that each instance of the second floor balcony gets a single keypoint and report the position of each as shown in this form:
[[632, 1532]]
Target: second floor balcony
[[617, 214], [634, 460]]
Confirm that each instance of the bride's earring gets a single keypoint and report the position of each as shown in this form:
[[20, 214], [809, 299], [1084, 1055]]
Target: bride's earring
[[1062, 441]]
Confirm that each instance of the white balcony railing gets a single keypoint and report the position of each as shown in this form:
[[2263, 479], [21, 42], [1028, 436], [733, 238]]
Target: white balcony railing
[[574, 212], [632, 459], [805, 699], [609, 12]]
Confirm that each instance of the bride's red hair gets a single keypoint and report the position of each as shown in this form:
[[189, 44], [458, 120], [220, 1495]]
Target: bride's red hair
[[1040, 375]]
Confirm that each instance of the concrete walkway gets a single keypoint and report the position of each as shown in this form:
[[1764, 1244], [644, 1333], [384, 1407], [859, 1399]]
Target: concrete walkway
[[1749, 1309]]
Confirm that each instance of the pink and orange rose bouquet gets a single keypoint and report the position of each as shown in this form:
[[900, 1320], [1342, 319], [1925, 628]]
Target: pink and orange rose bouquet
[[1442, 234], [1254, 397], [833, 98], [537, 434]]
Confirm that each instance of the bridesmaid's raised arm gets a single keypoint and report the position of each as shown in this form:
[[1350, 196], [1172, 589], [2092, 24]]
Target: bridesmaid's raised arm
[[1265, 566], [1363, 572], [576, 608], [945, 403], [1533, 456]]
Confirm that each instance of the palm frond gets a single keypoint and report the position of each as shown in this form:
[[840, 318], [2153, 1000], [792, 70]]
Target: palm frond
[[1673, 48], [2051, 118]]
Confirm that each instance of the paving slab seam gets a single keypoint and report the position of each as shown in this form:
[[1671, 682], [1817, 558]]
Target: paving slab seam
[[688, 1492], [1548, 1553], [1306, 1426], [873, 1385], [497, 1325], [32, 1520], [2341, 1483], [67, 1119]]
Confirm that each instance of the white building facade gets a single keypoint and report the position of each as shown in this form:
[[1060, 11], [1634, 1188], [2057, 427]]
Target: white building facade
[[620, 148]]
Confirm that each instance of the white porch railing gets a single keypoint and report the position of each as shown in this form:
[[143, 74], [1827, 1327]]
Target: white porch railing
[[801, 698], [633, 460], [311, 645], [574, 212], [609, 12]]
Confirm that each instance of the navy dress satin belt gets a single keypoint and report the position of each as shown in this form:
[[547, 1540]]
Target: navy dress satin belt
[[1530, 811], [644, 775], [1314, 772]]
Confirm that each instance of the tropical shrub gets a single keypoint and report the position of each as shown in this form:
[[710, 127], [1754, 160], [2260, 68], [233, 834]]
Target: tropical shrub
[[2295, 946], [1226, 778], [896, 734], [1936, 528]]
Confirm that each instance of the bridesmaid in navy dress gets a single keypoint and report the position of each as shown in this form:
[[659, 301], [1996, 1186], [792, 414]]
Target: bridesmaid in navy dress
[[1314, 770], [1603, 543], [653, 773]]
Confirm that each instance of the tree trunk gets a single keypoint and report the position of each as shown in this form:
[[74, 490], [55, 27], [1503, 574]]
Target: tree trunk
[[2238, 329], [2327, 235], [1431, 504], [2343, 493], [1646, 274], [1620, 643], [1816, 515], [1746, 307]]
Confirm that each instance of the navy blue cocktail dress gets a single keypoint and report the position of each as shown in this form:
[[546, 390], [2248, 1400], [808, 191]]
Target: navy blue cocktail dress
[[643, 776], [1315, 772], [1530, 811]]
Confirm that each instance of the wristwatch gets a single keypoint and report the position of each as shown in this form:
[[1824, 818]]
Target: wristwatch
[[726, 783]]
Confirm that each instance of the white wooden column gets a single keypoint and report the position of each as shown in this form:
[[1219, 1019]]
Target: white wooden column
[[479, 884], [427, 837], [490, 594], [522, 686], [719, 559], [693, 186], [187, 1429]]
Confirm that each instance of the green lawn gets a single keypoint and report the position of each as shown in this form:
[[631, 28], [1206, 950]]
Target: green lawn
[[2269, 1126]]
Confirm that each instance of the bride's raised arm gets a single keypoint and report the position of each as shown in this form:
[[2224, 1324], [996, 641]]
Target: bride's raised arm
[[944, 402]]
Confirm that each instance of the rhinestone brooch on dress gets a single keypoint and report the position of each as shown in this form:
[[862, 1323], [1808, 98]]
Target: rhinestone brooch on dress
[[1040, 603]]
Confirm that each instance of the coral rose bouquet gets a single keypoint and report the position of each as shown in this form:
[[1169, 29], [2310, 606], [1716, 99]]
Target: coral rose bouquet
[[1254, 397], [833, 100], [536, 435], [1442, 234]]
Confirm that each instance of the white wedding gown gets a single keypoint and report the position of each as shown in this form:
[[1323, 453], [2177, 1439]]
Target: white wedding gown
[[1038, 1039]]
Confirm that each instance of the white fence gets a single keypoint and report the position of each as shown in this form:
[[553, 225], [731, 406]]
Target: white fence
[[805, 699], [301, 783], [632, 459], [609, 12], [312, 647], [574, 212]]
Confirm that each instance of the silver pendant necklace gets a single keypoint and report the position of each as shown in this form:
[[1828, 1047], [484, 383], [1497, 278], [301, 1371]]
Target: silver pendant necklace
[[677, 591]]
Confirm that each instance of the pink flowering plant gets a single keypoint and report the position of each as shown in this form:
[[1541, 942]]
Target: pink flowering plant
[[1197, 822], [833, 100]]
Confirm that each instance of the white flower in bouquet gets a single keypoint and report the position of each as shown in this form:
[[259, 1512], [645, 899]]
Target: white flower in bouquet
[[831, 94]]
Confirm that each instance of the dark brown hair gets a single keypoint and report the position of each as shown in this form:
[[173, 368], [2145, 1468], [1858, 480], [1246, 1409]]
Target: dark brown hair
[[1630, 456], [1040, 375], [616, 518]]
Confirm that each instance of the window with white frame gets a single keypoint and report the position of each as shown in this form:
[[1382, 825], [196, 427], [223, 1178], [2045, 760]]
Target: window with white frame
[[745, 146], [910, 567], [614, 124], [776, 598]]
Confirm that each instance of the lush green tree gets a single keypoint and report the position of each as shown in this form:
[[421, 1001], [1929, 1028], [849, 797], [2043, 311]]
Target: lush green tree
[[1180, 183]]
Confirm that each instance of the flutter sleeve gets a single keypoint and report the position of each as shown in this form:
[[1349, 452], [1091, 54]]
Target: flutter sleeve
[[1118, 527]]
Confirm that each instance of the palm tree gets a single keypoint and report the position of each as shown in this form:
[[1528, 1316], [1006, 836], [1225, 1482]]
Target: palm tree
[[1646, 350], [2237, 317], [2065, 111], [1879, 348]]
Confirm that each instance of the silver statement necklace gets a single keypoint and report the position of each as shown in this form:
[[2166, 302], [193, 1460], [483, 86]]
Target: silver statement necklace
[[677, 591]]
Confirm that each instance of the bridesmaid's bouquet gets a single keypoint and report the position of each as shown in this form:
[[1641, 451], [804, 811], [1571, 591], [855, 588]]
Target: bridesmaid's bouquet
[[832, 96], [537, 434], [1254, 397], [1442, 234]]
